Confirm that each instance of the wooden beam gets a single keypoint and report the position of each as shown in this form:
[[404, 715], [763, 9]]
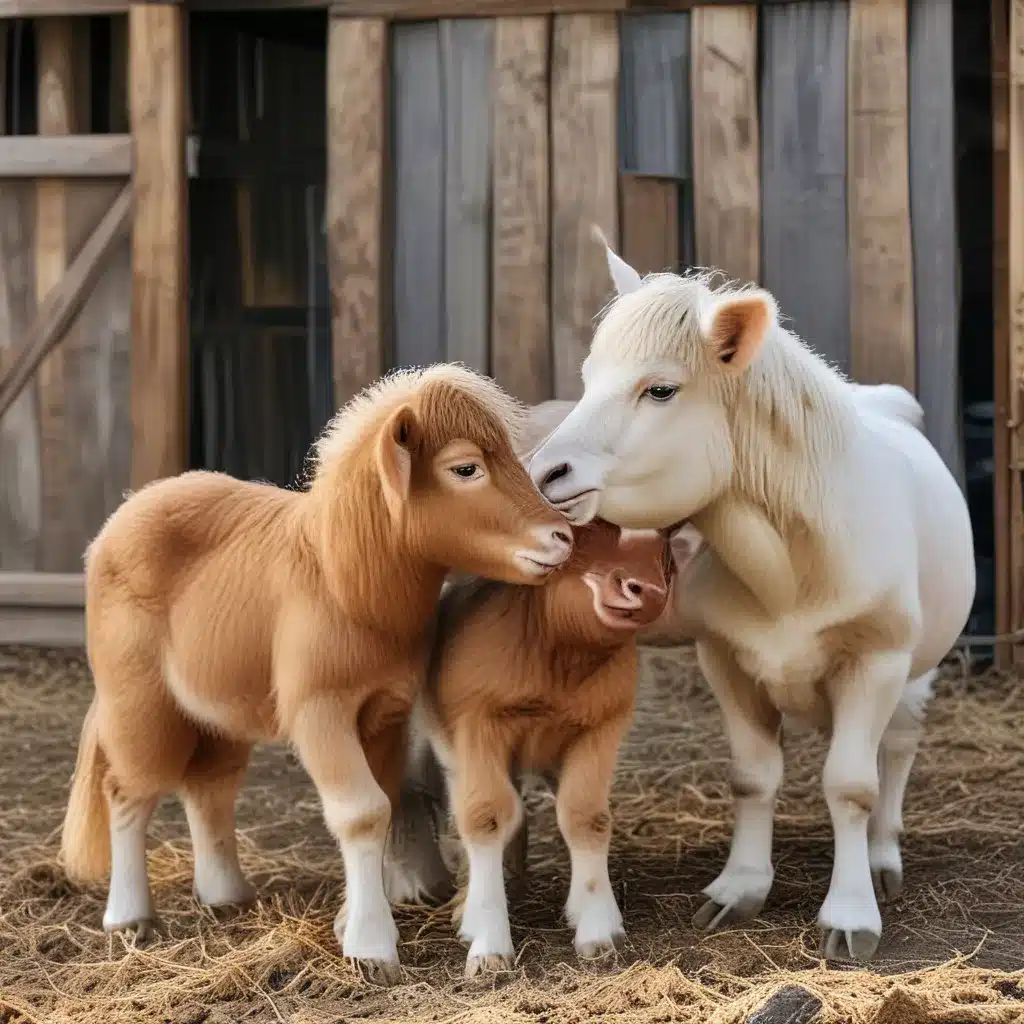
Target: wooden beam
[[357, 98], [418, 10], [726, 155], [878, 192], [63, 302], [56, 8], [1005, 515], [159, 360], [42, 589], [65, 156]]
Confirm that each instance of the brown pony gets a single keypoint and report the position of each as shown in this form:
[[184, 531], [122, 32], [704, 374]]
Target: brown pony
[[222, 613], [532, 681]]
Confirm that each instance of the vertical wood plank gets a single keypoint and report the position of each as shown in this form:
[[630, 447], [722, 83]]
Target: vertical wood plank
[[20, 480], [1005, 584], [655, 94], [419, 194], [119, 73], [356, 147], [805, 261], [1015, 283], [584, 185], [881, 262], [159, 268], [726, 186], [520, 326], [649, 213], [934, 228], [467, 57]]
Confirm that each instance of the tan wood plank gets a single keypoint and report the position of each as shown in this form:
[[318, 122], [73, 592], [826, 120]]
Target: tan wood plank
[[69, 156], [159, 274], [520, 332], [20, 483], [584, 183], [54, 8], [649, 215], [356, 183], [878, 191], [726, 175]]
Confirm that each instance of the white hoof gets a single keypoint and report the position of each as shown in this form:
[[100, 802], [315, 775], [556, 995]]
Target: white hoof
[[851, 926], [733, 897]]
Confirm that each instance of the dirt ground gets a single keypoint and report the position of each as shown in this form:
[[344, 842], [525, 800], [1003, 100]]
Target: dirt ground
[[951, 954]]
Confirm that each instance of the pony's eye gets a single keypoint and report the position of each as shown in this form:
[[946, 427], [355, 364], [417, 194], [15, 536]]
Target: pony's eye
[[661, 392], [466, 471]]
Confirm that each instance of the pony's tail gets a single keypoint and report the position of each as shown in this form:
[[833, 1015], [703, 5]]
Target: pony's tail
[[85, 841]]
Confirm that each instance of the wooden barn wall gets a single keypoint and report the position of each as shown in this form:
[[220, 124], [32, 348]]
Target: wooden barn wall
[[808, 145], [65, 446]]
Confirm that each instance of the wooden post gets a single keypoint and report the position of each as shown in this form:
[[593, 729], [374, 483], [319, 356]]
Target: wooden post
[[159, 255], [1005, 517]]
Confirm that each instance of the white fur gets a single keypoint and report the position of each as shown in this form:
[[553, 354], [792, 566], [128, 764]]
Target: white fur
[[218, 876], [873, 529], [485, 923], [129, 903], [364, 924], [591, 907]]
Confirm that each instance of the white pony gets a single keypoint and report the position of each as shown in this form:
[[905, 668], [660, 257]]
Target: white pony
[[838, 569]]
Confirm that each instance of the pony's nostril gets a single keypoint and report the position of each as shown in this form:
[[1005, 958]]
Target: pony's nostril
[[557, 473], [564, 536], [634, 588]]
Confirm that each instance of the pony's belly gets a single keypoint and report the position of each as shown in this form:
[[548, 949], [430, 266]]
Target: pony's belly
[[791, 670]]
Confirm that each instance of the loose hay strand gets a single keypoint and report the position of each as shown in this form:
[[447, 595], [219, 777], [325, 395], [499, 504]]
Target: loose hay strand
[[951, 953]]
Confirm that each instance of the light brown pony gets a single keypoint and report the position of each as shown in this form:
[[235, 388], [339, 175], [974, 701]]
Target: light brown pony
[[533, 681], [222, 613]]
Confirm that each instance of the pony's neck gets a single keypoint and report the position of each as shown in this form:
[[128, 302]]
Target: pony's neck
[[792, 420], [377, 580], [561, 618]]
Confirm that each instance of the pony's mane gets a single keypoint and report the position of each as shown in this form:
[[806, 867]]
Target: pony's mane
[[355, 424], [791, 412]]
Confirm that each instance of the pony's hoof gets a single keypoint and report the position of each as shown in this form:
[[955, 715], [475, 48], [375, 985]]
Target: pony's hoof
[[238, 894], [713, 915], [888, 883], [595, 949], [495, 964], [839, 944], [142, 928], [379, 972]]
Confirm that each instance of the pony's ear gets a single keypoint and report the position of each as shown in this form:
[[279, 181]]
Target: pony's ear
[[684, 541], [625, 278], [737, 327], [398, 439]]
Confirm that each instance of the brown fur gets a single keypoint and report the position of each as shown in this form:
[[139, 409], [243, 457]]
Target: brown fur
[[530, 681], [222, 613]]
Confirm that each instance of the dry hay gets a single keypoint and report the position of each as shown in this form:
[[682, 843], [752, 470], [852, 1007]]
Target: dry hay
[[949, 940]]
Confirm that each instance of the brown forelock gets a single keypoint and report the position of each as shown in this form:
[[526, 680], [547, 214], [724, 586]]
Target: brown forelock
[[449, 411]]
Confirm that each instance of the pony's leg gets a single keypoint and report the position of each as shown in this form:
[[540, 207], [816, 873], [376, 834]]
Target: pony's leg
[[145, 762], [864, 696], [488, 812], [357, 812], [584, 819], [209, 792], [896, 755], [752, 727]]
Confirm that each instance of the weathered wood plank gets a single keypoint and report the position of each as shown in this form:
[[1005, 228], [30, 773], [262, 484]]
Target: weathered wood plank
[[419, 195], [726, 187], [69, 156], [520, 326], [584, 183], [20, 482], [159, 279], [356, 184], [933, 229], [1006, 516], [649, 214], [1015, 285], [805, 262], [426, 9], [42, 589], [55, 8], [878, 189], [655, 95], [467, 57], [61, 304]]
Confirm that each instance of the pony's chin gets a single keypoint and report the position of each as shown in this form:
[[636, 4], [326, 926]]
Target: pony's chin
[[617, 618], [582, 509]]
